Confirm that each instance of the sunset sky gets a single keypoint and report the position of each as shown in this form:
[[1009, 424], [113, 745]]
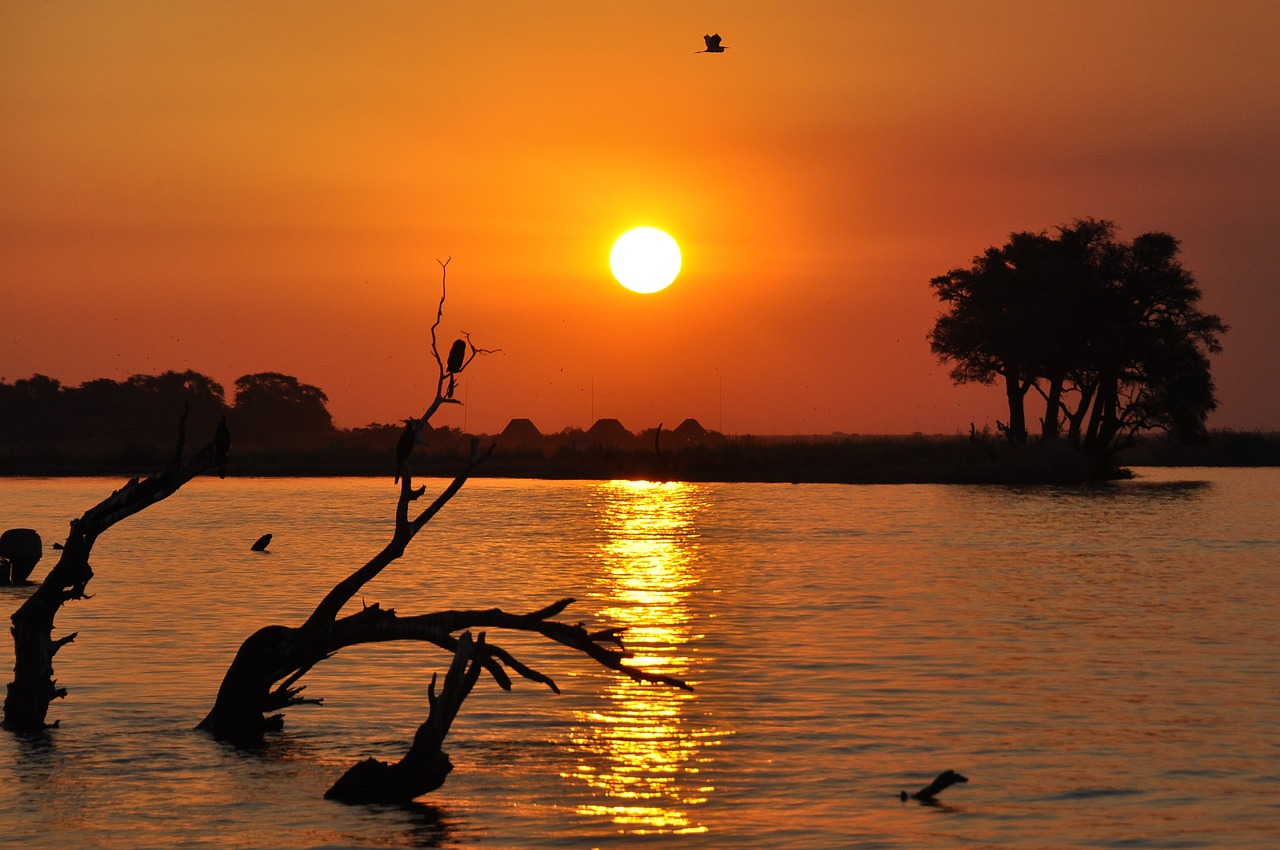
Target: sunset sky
[[238, 187]]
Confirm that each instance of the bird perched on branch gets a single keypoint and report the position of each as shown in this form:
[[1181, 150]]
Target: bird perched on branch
[[457, 354], [713, 44], [404, 446], [457, 357]]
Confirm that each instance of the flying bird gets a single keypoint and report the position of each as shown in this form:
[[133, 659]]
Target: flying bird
[[713, 44]]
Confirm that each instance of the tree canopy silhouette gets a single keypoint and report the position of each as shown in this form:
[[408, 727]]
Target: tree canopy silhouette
[[129, 419], [276, 409], [1108, 334]]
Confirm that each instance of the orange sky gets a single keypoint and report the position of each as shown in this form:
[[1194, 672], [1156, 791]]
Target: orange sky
[[265, 186]]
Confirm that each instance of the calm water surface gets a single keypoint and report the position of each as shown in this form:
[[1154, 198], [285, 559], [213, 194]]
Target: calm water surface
[[1103, 663]]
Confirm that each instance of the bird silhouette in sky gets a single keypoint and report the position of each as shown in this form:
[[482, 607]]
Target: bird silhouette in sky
[[713, 44]]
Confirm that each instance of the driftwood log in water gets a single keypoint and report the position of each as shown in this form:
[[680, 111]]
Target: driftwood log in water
[[33, 688], [426, 766]]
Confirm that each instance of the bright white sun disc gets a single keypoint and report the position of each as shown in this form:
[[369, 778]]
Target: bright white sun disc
[[645, 260]]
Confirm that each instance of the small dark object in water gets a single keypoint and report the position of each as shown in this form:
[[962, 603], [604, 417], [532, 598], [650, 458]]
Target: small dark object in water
[[20, 551], [944, 780], [261, 544]]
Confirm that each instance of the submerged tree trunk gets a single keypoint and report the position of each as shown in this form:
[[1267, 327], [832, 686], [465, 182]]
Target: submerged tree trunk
[[33, 688], [426, 766]]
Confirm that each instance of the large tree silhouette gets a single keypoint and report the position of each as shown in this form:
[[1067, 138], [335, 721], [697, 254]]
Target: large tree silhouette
[[273, 409], [124, 423], [1108, 333]]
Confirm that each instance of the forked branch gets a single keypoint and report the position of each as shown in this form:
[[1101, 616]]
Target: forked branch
[[426, 766]]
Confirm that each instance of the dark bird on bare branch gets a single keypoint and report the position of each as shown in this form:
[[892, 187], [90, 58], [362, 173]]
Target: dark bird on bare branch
[[404, 446], [713, 44], [222, 446], [457, 354], [928, 793]]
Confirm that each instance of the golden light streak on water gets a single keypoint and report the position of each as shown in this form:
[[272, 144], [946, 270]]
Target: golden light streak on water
[[640, 751]]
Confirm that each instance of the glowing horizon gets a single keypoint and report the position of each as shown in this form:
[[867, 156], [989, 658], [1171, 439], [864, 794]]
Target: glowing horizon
[[238, 189]]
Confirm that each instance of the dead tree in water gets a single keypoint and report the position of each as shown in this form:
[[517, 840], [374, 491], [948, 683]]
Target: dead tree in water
[[26, 704], [263, 677], [426, 765]]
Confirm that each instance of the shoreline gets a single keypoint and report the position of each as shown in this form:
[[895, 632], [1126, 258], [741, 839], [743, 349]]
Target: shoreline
[[915, 459]]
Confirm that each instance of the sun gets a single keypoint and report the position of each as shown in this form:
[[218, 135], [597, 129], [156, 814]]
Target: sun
[[645, 260]]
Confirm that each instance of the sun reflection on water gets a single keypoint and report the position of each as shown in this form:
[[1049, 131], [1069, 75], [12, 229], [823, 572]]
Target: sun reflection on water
[[640, 751]]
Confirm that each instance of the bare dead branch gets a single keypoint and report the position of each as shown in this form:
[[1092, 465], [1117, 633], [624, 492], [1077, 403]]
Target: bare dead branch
[[345, 590], [426, 765], [26, 704], [435, 349], [265, 673]]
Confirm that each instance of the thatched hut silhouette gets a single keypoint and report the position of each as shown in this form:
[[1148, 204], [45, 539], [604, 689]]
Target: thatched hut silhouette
[[688, 433], [521, 435], [609, 434]]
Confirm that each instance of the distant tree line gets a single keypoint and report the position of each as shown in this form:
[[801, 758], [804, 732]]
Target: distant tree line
[[1108, 334], [281, 427], [72, 440], [134, 417]]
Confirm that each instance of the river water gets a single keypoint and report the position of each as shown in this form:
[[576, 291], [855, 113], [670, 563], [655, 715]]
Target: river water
[[1103, 663]]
